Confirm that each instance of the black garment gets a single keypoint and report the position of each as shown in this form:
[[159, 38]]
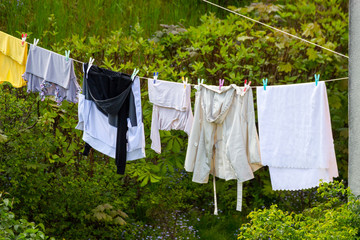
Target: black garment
[[111, 92]]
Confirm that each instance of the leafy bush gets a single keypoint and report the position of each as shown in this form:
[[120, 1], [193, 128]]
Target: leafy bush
[[331, 218], [11, 228]]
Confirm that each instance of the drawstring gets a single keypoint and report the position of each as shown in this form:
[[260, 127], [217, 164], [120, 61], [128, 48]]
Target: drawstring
[[213, 172], [239, 195], [215, 201]]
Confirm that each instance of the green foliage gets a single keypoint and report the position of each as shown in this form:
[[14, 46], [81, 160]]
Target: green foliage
[[99, 17], [41, 162], [331, 218], [106, 214], [11, 228]]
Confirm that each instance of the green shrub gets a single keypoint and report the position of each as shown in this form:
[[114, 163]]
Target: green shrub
[[331, 218], [11, 228]]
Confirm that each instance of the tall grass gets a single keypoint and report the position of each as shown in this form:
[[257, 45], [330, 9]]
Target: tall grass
[[100, 17]]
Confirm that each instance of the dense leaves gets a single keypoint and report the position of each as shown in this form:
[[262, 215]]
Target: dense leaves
[[331, 218]]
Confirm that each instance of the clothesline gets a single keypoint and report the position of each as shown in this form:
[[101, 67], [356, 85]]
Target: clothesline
[[276, 29], [329, 80]]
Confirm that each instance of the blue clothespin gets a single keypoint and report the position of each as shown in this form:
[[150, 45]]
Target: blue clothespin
[[265, 81], [221, 83], [134, 74], [67, 55], [317, 77], [156, 76]]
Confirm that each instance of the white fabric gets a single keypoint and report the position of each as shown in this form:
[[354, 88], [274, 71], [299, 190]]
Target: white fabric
[[223, 140], [171, 109], [101, 136], [296, 140]]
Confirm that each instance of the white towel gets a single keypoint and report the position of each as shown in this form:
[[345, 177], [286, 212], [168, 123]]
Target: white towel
[[296, 140]]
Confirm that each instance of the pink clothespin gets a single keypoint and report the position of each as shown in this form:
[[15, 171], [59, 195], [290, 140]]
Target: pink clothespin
[[23, 38], [221, 83], [246, 86]]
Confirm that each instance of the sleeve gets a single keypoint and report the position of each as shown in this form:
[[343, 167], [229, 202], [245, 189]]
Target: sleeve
[[252, 135], [155, 134], [194, 137], [80, 125]]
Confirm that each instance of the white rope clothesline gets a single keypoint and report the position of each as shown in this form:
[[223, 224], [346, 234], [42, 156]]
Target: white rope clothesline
[[276, 29], [329, 80]]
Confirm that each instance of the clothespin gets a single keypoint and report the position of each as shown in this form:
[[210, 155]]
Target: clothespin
[[317, 77], [184, 82], [221, 83], [67, 55], [23, 38], [202, 81], [135, 72], [156, 76], [91, 61], [265, 81], [246, 86], [35, 42]]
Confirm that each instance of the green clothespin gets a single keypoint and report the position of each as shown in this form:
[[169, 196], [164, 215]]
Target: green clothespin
[[133, 75], [67, 55]]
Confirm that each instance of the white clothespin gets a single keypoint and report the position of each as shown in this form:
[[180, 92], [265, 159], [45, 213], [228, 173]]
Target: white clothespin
[[91, 61], [184, 82], [23, 38], [200, 82], [156, 76], [67, 55], [35, 42]]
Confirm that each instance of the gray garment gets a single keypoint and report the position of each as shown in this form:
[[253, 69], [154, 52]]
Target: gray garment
[[51, 74]]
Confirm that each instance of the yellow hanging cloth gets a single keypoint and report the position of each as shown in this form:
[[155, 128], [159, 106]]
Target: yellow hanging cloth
[[13, 56]]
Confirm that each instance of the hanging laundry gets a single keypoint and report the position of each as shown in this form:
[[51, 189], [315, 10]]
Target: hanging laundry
[[171, 109], [296, 140], [223, 139], [13, 56], [111, 92], [51, 74], [101, 136]]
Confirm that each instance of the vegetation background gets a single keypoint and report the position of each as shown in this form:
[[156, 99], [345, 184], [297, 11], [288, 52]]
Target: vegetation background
[[71, 196]]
